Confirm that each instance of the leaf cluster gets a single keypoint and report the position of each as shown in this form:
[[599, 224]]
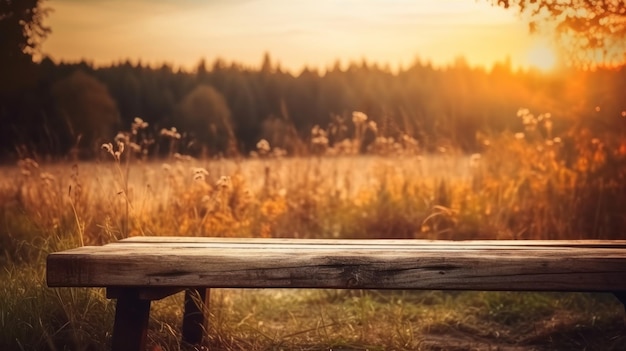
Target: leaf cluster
[[589, 31]]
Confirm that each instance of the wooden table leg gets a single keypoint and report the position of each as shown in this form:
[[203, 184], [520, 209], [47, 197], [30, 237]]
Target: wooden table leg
[[194, 318], [131, 322]]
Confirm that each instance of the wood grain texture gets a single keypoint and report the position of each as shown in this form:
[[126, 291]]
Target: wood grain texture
[[378, 264], [371, 242]]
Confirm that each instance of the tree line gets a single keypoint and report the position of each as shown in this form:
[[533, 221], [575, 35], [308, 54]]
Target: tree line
[[226, 108]]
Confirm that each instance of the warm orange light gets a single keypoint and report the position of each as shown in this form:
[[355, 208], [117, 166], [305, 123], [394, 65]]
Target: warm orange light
[[542, 56]]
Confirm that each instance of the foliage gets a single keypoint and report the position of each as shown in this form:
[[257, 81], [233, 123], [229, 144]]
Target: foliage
[[207, 118], [22, 30], [85, 108], [590, 31]]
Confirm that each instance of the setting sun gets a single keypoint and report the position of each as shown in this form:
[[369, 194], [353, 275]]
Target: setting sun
[[542, 56]]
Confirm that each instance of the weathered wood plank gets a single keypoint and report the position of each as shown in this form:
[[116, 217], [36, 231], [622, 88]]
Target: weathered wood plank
[[201, 247], [210, 248], [443, 265], [312, 246], [373, 242]]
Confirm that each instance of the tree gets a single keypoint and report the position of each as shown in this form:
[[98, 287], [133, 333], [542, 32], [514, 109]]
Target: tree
[[588, 31], [21, 33], [207, 118], [89, 112]]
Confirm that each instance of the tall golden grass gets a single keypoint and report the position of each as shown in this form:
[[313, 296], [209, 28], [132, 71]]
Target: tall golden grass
[[525, 185]]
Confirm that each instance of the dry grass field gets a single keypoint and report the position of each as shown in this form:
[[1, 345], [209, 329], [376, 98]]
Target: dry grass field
[[521, 186]]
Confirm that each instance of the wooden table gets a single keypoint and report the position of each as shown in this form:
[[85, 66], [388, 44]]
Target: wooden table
[[138, 270]]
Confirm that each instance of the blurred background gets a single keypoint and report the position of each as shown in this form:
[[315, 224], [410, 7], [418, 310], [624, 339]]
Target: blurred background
[[227, 74]]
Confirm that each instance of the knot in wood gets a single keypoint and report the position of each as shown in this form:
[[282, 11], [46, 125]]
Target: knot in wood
[[354, 280]]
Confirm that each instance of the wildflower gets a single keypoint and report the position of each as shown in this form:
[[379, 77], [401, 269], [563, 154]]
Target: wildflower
[[557, 140], [358, 117], [544, 116], [279, 152], [548, 125], [224, 182], [317, 131], [120, 150], [199, 173], [320, 140], [529, 120], [523, 112], [263, 146], [372, 126], [319, 136], [121, 137], [138, 124], [344, 146], [108, 148], [170, 133], [519, 136]]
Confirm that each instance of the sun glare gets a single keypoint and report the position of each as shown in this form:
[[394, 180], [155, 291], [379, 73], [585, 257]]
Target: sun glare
[[542, 56]]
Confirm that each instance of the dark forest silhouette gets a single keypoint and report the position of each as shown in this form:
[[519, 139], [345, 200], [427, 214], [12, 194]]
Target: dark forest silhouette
[[230, 106]]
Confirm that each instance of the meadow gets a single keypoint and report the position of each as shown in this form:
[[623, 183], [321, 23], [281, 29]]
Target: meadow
[[527, 184]]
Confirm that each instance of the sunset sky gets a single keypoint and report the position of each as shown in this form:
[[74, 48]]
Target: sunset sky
[[295, 33]]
